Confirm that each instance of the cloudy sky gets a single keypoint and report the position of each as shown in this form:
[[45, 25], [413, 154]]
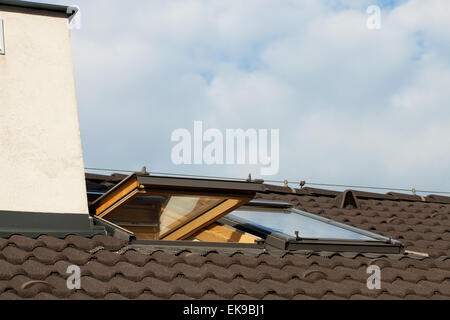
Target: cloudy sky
[[353, 105]]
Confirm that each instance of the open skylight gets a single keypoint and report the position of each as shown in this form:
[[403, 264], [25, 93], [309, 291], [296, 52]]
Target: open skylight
[[219, 211], [161, 208]]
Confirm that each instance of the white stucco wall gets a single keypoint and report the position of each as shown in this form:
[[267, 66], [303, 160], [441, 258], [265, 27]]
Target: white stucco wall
[[41, 162]]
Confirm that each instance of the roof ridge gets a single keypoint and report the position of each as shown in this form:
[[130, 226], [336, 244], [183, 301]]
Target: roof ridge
[[393, 196]]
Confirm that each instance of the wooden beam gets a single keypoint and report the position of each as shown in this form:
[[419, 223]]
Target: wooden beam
[[143, 233], [205, 220], [221, 233], [116, 197]]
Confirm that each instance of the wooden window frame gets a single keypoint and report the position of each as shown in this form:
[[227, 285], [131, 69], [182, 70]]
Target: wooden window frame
[[136, 185]]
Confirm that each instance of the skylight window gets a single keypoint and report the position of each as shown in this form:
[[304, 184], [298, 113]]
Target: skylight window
[[157, 208], [222, 211], [292, 229], [287, 222], [179, 210]]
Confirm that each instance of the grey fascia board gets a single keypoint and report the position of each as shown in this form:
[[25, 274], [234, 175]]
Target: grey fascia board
[[69, 10], [60, 225]]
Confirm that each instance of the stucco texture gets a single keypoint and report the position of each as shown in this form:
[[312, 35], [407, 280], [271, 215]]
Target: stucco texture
[[41, 161]]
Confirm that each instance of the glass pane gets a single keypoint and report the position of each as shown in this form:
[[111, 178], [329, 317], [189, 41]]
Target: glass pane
[[180, 210], [161, 214], [286, 222]]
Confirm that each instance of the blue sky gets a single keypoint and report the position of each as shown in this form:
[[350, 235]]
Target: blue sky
[[354, 106]]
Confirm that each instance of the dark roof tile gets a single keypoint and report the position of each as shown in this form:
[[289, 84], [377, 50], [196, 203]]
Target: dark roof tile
[[15, 255], [153, 269], [127, 288], [8, 295], [241, 296], [442, 287], [81, 243], [148, 296], [110, 258], [76, 256], [81, 296], [220, 260], [53, 243], [131, 256], [115, 296], [95, 288], [166, 259], [113, 270], [48, 256], [159, 288], [98, 271], [25, 243], [36, 270], [9, 270], [193, 259], [109, 243], [192, 288], [130, 271], [210, 270]]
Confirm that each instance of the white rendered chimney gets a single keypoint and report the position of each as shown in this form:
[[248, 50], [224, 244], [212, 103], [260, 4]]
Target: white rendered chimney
[[41, 161]]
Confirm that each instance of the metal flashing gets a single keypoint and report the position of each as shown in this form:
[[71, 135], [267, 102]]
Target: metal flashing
[[70, 11], [333, 245], [33, 225], [187, 245], [270, 204], [114, 230]]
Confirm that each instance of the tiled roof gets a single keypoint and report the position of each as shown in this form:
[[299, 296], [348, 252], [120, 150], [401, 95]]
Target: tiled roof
[[422, 226], [113, 269], [36, 269]]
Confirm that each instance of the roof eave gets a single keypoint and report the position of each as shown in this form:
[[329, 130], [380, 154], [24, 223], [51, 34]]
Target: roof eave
[[68, 10]]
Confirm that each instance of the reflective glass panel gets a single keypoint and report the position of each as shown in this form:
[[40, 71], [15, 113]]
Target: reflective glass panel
[[161, 214], [287, 222], [179, 210]]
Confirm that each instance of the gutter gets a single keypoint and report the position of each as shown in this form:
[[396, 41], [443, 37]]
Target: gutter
[[70, 11]]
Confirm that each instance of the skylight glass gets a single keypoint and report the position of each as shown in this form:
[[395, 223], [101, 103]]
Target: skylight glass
[[164, 212], [179, 210], [286, 222]]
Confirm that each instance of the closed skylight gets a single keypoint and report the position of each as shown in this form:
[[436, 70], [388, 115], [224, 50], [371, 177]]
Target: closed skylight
[[286, 222], [284, 227]]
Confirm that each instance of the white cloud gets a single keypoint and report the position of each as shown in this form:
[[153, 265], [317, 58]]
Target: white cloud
[[353, 105]]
